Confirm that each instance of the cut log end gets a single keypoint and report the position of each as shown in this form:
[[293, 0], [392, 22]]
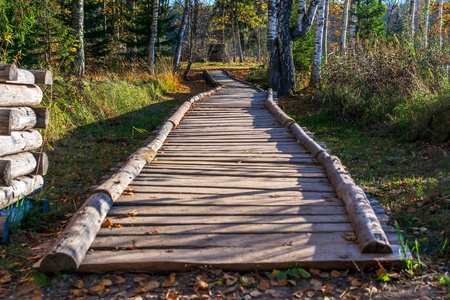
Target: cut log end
[[57, 262], [5, 173], [42, 77], [8, 72], [379, 246]]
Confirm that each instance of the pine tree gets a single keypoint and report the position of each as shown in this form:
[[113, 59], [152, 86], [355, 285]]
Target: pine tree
[[370, 18]]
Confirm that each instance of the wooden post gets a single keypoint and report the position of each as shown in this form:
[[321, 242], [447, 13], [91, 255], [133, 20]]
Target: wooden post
[[42, 77], [5, 173], [8, 72], [371, 236], [20, 141], [20, 95], [20, 188]]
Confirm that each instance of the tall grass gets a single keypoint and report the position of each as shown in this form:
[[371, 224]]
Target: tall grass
[[104, 95], [389, 85]]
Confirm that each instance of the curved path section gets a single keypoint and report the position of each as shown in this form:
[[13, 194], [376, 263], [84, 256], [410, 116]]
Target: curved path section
[[230, 188]]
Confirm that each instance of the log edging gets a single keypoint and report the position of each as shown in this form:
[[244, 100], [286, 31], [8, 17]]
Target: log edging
[[370, 234], [73, 243]]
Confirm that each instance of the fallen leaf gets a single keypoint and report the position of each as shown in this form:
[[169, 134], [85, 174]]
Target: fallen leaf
[[316, 284], [200, 284], [356, 282], [169, 281], [139, 278], [118, 280], [335, 274], [152, 232], [324, 275], [410, 209], [314, 271], [107, 223], [274, 293], [282, 282], [150, 286], [255, 293], [171, 295], [310, 294], [327, 288], [247, 279], [79, 292], [96, 289], [106, 282], [264, 285], [79, 284], [292, 282]]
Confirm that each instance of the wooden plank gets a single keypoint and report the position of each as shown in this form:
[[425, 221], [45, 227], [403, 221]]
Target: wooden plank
[[236, 259], [228, 210], [244, 167], [224, 163], [204, 178], [149, 199], [224, 154], [241, 159], [222, 240], [245, 183], [244, 228]]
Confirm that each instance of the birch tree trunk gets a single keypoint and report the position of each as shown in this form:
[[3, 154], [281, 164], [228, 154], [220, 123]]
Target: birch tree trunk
[[441, 5], [78, 27], [325, 31], [180, 36], [427, 21], [352, 27], [344, 28], [153, 35], [272, 38], [412, 15], [317, 52], [281, 68], [238, 32], [193, 26]]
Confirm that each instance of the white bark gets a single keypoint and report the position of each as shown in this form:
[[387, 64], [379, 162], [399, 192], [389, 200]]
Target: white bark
[[325, 31], [317, 53], [181, 35], [272, 24], [153, 35], [344, 28], [427, 21], [78, 28], [352, 26], [441, 5], [412, 15]]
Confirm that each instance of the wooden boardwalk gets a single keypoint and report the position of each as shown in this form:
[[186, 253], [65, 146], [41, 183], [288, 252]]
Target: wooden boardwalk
[[230, 188]]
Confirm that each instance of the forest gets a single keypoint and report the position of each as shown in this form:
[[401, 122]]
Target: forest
[[370, 78]]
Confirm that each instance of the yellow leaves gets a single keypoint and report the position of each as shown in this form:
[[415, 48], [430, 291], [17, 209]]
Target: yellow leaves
[[168, 282], [200, 284], [108, 224], [128, 191]]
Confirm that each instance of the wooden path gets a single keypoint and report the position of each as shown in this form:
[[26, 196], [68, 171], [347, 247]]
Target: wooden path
[[233, 189]]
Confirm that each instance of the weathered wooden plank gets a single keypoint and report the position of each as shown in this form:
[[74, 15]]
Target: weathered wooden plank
[[236, 259], [244, 183], [244, 167], [158, 241], [243, 228], [224, 163], [241, 159], [151, 199], [229, 210], [231, 155]]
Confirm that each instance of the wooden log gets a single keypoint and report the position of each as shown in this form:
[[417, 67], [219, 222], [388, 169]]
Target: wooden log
[[20, 164], [22, 118], [305, 140], [4, 229], [209, 79], [149, 151], [25, 77], [371, 236], [20, 95], [41, 163], [20, 187], [8, 72], [179, 114], [277, 112], [42, 77], [5, 173], [73, 243], [20, 141]]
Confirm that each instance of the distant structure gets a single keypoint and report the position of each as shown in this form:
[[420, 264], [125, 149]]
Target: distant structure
[[218, 53]]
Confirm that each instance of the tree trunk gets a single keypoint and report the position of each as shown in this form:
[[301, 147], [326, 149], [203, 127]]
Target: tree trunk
[[325, 31], [352, 27], [412, 11], [180, 36], [238, 33], [153, 35], [427, 21], [344, 28], [193, 35], [441, 5], [287, 69], [77, 26], [272, 50], [317, 53]]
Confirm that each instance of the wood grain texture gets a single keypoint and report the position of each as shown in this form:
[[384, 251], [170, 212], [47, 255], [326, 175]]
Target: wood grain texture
[[20, 187], [20, 141], [19, 95]]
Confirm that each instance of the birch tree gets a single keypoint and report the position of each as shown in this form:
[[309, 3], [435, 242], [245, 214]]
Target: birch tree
[[272, 25], [352, 27], [281, 69], [238, 32], [325, 31], [427, 22], [344, 28], [180, 36], [153, 35], [317, 53], [441, 21], [78, 28], [412, 11], [193, 35]]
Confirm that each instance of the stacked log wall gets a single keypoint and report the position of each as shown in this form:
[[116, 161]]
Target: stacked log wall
[[22, 162]]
